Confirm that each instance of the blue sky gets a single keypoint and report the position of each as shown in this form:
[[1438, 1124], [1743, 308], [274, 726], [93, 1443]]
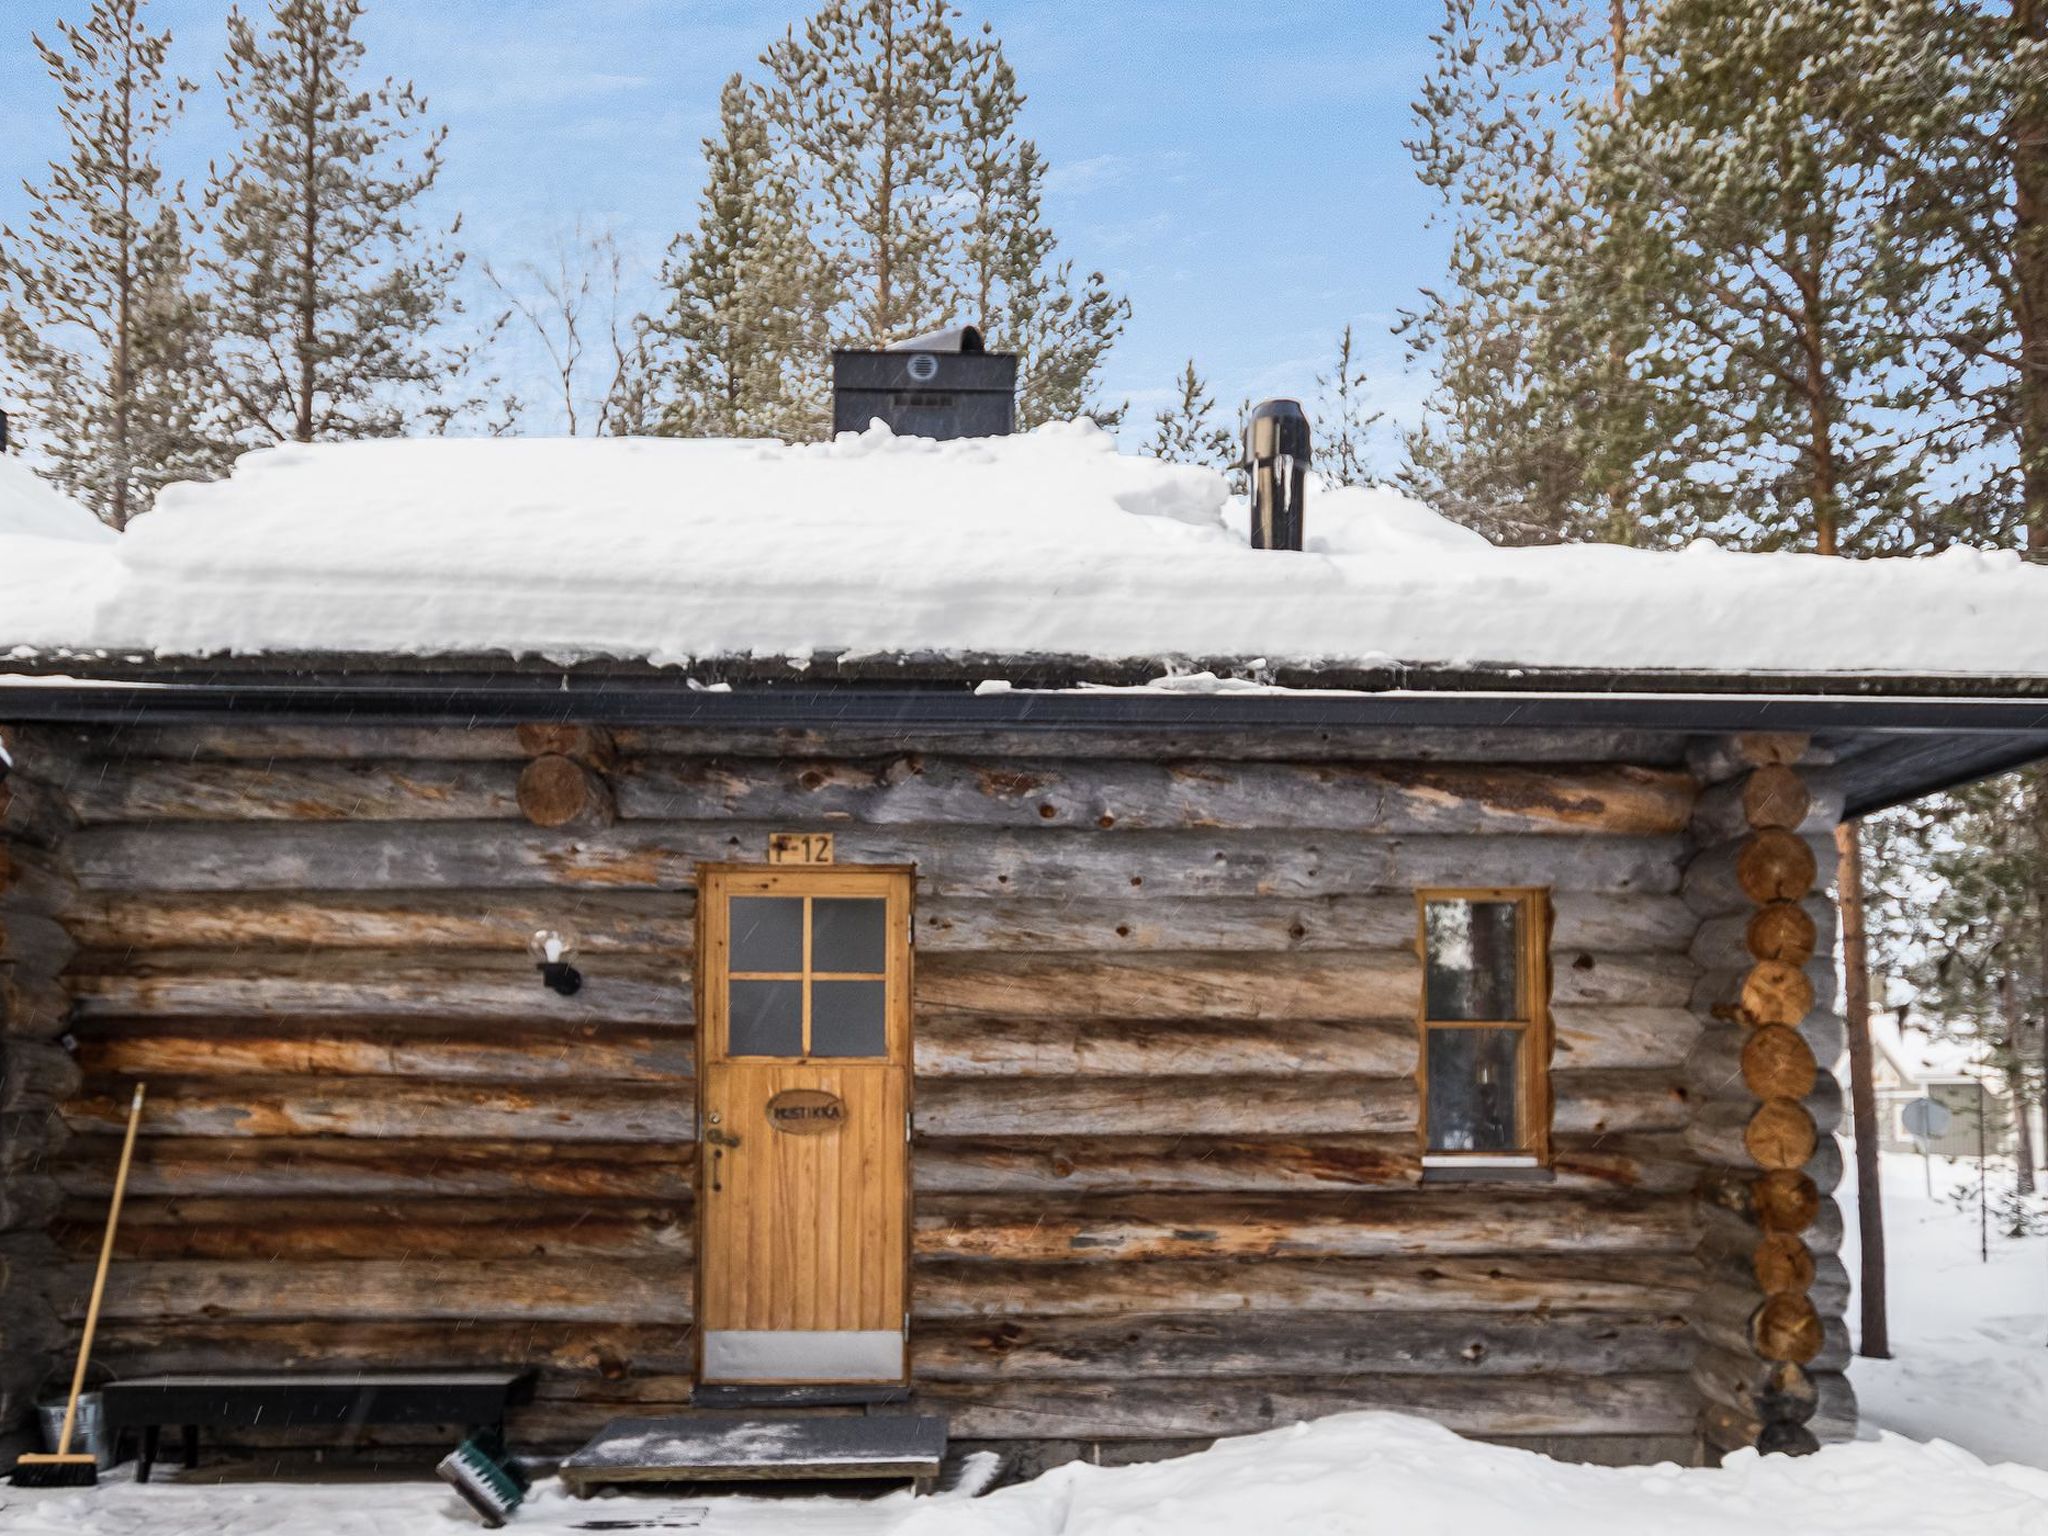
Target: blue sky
[[1237, 169]]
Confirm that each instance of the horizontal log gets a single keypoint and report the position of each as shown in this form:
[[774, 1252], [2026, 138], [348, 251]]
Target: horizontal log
[[33, 881], [1535, 1405], [1619, 1103], [28, 1139], [1768, 992], [1556, 1282], [33, 1005], [34, 942], [364, 983], [1782, 1327], [1772, 1263], [1299, 986], [1207, 1346], [571, 1353], [1714, 758], [664, 922], [321, 1106], [1834, 1423], [1114, 1106], [1757, 1389], [951, 861], [1753, 871], [288, 1231], [558, 791], [1772, 1202], [1165, 1164], [1659, 1162], [34, 1075], [594, 746], [33, 813], [314, 1167], [1773, 1134], [27, 1202], [1774, 795], [1789, 931], [458, 1291], [265, 742], [959, 1046], [1733, 1060], [1434, 1222]]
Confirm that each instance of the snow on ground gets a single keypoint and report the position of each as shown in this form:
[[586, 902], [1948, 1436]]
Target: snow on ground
[[1969, 1339], [1350, 1475], [1051, 542]]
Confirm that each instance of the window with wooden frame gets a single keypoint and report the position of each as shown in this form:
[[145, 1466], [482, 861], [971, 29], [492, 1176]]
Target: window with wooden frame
[[1485, 1025]]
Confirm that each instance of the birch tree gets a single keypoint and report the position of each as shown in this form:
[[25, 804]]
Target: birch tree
[[328, 287], [101, 334]]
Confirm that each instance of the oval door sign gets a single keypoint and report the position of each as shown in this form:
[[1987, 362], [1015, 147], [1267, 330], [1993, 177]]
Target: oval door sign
[[806, 1111]]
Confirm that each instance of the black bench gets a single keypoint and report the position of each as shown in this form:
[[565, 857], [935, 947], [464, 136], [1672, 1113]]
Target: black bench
[[476, 1400]]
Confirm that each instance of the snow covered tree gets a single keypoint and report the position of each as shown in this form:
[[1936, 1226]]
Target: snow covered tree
[[1189, 432], [1022, 299], [101, 336], [745, 335], [1343, 423], [327, 290], [868, 94]]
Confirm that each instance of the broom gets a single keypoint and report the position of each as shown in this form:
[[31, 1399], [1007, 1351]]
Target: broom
[[67, 1469]]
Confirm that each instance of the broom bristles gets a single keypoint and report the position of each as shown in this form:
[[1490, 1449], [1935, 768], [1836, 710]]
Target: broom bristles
[[43, 1471]]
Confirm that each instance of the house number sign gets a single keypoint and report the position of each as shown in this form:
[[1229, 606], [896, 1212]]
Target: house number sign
[[806, 1111], [800, 848]]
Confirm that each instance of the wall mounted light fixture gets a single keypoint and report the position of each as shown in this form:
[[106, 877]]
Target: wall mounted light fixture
[[552, 949]]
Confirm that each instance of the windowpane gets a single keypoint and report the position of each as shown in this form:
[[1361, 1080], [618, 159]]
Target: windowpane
[[766, 1018], [767, 933], [1475, 959], [848, 1018], [849, 934], [1474, 1083]]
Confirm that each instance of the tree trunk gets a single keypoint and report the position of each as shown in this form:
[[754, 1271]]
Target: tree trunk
[[1876, 1331], [2012, 1061], [309, 254], [2039, 780], [2029, 131]]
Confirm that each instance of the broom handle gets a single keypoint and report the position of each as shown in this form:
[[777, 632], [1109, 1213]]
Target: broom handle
[[99, 1281]]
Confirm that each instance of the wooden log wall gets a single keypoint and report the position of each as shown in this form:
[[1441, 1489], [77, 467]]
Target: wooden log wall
[[1166, 1163], [36, 1075], [1773, 1340]]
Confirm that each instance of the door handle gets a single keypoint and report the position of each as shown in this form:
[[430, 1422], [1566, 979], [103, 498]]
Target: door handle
[[719, 1138]]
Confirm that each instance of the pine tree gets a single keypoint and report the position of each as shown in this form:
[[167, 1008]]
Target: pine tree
[[746, 331], [1188, 432], [1774, 273], [327, 290], [1539, 416], [1344, 424], [1023, 301], [104, 340], [1963, 914], [869, 97]]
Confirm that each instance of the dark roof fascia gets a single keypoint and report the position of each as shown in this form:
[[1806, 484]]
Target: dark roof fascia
[[1905, 743]]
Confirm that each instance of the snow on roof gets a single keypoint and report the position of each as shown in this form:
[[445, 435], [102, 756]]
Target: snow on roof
[[1050, 543], [30, 506]]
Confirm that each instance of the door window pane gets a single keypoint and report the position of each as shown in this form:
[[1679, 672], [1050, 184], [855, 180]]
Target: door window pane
[[1475, 958], [1474, 1082], [766, 1018], [848, 1018], [767, 933], [849, 934]]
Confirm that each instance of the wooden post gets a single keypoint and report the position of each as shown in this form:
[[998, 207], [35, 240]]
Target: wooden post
[[1764, 1104]]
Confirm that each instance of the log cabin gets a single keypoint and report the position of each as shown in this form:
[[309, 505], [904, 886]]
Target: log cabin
[[942, 995]]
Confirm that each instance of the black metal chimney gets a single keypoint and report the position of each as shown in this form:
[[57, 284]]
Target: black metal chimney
[[1276, 453], [943, 385]]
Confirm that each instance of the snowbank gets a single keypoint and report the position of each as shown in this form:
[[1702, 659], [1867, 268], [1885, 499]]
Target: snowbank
[[1362, 1474], [31, 506], [1048, 543]]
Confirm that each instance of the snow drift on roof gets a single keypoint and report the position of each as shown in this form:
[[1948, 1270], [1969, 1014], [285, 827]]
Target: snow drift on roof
[[1050, 543], [30, 505]]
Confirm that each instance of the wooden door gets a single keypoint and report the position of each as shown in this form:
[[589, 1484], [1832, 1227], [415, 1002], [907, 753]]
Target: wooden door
[[803, 1120]]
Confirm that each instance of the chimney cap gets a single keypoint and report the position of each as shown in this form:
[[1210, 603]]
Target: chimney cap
[[955, 338]]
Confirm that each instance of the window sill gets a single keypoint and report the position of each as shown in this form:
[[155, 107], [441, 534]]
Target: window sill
[[1484, 1170]]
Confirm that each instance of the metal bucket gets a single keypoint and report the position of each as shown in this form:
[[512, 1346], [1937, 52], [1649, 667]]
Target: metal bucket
[[88, 1434]]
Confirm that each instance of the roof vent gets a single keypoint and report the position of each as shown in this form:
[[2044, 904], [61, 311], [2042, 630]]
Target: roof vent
[[1276, 453], [943, 385]]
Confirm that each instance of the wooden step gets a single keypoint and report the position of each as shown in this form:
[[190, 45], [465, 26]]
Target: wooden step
[[734, 1448]]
